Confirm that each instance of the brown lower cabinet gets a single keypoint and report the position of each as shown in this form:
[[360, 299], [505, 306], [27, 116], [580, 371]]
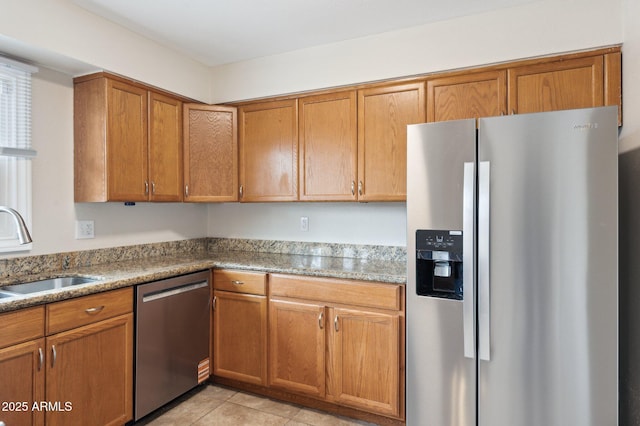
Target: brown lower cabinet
[[240, 326], [80, 374], [332, 344]]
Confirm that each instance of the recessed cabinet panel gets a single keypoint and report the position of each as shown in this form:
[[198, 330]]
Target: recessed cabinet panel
[[210, 153], [297, 347], [366, 360], [269, 151], [467, 96], [383, 116], [240, 337], [127, 151], [570, 84], [22, 373], [165, 148], [92, 368], [328, 147]]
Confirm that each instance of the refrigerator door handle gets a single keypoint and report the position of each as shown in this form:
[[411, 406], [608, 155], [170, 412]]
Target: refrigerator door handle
[[484, 296], [468, 257]]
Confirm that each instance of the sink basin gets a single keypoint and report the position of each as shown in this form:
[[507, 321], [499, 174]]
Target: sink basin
[[44, 285], [4, 295]]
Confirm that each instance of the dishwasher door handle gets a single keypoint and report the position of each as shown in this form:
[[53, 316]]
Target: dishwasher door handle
[[172, 291]]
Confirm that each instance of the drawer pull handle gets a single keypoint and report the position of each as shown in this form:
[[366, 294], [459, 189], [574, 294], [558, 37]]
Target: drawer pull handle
[[236, 282], [215, 300], [321, 320], [40, 358], [336, 325], [54, 355], [92, 311]]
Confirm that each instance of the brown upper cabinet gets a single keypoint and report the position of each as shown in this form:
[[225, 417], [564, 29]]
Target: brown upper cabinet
[[269, 151], [581, 82], [471, 95], [328, 147], [210, 153], [127, 142], [383, 116]]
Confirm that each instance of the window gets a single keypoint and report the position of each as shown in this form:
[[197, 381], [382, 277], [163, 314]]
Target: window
[[15, 149]]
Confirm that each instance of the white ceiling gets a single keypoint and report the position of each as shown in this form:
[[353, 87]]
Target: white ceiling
[[217, 32]]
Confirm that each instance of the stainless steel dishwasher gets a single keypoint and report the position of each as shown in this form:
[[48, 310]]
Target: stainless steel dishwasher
[[172, 339]]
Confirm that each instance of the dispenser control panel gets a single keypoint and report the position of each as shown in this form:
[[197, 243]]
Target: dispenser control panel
[[439, 263]]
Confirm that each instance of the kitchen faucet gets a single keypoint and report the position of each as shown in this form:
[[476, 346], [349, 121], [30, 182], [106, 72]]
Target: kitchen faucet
[[23, 232]]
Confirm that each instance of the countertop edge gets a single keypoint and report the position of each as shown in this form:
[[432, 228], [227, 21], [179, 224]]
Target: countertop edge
[[131, 273]]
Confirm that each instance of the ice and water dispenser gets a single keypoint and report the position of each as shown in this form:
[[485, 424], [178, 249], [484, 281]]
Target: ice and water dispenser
[[439, 263]]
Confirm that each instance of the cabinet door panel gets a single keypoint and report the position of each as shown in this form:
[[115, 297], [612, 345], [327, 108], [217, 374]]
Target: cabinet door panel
[[240, 337], [22, 374], [210, 153], [383, 116], [574, 83], [467, 96], [297, 347], [328, 147], [92, 369], [127, 142], [366, 360], [165, 148], [269, 151]]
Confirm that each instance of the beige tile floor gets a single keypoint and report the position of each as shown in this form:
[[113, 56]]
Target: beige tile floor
[[216, 405]]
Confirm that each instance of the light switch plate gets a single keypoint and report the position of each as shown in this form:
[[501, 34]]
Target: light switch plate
[[304, 223], [84, 229]]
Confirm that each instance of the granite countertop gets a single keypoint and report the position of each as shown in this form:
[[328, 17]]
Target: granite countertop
[[126, 273]]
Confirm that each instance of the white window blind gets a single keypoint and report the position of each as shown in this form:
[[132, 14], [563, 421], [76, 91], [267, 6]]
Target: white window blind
[[15, 149]]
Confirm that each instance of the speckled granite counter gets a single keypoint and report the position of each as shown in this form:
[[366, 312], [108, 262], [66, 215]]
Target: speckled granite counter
[[127, 266]]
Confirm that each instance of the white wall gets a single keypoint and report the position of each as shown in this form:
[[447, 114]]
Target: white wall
[[534, 29], [64, 36], [354, 223]]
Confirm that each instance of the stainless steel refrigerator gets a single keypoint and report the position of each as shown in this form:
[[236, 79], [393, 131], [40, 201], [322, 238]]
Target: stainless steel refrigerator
[[512, 280]]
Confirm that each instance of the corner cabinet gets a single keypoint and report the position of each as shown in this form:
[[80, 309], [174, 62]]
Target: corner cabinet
[[383, 116], [269, 151], [341, 341], [127, 142], [210, 153]]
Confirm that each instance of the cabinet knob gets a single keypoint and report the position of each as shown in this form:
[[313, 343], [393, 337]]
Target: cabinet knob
[[353, 187], [360, 188], [336, 324], [146, 187], [186, 191], [236, 282], [241, 191], [153, 188], [321, 320]]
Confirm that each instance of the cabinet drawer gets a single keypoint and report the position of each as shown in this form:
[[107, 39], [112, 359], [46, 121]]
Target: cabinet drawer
[[88, 309], [330, 290], [240, 281], [21, 326]]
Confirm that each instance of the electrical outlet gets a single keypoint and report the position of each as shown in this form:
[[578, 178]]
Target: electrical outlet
[[84, 229], [304, 223]]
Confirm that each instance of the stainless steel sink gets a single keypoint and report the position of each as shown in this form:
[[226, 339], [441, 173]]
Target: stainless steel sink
[[4, 295], [44, 285]]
